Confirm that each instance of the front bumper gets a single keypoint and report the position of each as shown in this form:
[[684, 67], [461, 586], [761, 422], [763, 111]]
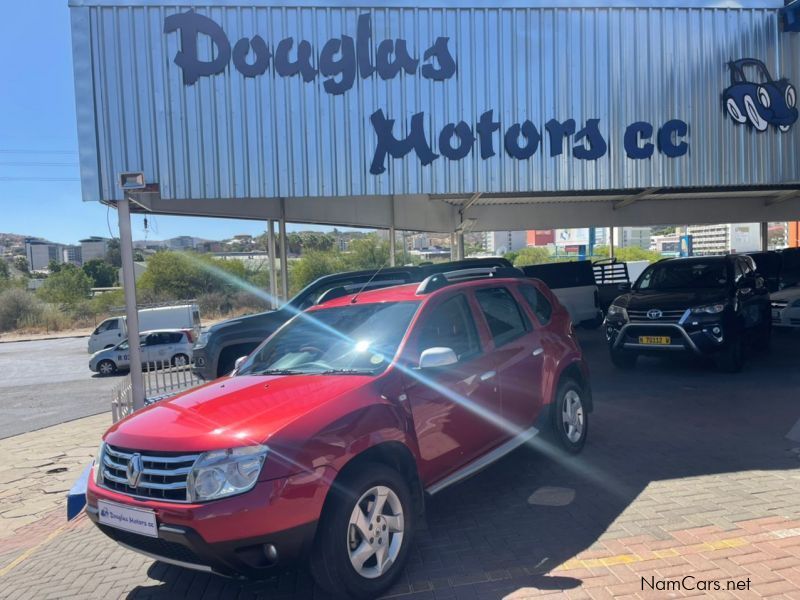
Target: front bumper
[[203, 365], [787, 316], [252, 534], [253, 557], [702, 340]]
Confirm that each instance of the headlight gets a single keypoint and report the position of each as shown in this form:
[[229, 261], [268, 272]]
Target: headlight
[[222, 473], [98, 463], [202, 340], [711, 309], [617, 311]]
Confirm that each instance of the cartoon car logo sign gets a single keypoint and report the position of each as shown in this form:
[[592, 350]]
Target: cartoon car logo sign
[[759, 101]]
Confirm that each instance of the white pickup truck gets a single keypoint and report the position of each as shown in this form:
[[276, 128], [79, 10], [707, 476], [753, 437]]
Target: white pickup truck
[[113, 330]]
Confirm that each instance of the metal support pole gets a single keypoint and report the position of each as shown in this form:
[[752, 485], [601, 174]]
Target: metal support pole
[[131, 314], [460, 245], [453, 247], [284, 253], [611, 242], [392, 237], [765, 236], [273, 273]]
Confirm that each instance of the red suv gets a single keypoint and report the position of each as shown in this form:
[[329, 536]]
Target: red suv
[[324, 441]]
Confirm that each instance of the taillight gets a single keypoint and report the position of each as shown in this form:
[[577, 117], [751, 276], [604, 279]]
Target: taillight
[[189, 335]]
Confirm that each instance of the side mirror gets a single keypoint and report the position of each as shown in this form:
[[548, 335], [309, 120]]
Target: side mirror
[[624, 287], [239, 362], [437, 357]]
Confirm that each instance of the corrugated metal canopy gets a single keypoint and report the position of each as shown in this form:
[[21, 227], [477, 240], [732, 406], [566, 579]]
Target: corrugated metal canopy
[[558, 113]]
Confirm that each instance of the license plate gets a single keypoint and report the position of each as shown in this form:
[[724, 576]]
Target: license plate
[[655, 340], [135, 520]]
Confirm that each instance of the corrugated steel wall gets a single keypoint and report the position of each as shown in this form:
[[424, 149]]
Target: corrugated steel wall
[[231, 136]]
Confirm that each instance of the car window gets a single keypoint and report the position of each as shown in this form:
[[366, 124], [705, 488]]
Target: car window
[[152, 340], [539, 304], [450, 325], [109, 325], [503, 315]]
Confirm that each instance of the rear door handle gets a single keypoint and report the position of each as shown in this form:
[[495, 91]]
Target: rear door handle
[[538, 351], [488, 375]]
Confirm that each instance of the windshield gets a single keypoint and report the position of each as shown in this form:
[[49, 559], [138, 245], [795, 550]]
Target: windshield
[[353, 339], [683, 275]]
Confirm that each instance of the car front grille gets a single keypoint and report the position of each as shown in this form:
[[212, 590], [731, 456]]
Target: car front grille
[[667, 316], [163, 475]]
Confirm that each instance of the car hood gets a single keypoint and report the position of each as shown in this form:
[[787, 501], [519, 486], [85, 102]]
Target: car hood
[[789, 294], [262, 319], [670, 300], [230, 412]]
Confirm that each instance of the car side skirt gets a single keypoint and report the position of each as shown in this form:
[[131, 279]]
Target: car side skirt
[[484, 461]]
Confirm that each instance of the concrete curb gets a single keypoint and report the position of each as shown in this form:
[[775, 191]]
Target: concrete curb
[[44, 339]]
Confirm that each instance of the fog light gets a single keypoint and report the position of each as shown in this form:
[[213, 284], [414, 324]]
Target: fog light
[[271, 552], [716, 331]]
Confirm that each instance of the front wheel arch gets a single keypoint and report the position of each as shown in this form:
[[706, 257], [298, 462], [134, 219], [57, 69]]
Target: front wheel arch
[[573, 371], [394, 455]]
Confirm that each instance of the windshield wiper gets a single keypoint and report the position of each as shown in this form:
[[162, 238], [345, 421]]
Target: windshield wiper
[[281, 372], [346, 372]]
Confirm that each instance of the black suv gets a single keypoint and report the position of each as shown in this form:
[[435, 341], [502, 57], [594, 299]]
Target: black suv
[[711, 306], [218, 347]]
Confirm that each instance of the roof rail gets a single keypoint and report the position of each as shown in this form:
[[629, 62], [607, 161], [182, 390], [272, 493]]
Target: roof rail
[[440, 280]]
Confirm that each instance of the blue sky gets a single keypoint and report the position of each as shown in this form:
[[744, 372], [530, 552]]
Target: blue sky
[[39, 187]]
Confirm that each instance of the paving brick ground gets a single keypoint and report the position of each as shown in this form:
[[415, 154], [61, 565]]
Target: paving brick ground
[[687, 473]]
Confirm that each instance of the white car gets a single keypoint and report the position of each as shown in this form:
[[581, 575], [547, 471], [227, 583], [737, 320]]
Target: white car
[[164, 346], [786, 307]]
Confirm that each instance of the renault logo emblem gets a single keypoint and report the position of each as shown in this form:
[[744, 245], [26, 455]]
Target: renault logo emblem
[[654, 313], [134, 469]]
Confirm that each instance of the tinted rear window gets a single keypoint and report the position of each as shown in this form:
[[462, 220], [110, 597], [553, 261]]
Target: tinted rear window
[[563, 275], [503, 315]]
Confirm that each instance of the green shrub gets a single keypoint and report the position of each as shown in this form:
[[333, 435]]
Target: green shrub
[[17, 308]]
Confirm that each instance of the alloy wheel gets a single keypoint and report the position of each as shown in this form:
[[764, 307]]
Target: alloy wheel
[[375, 532], [572, 416]]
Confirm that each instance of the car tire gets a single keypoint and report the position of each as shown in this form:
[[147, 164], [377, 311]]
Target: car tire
[[179, 360], [106, 367], [623, 360], [756, 120], [348, 517], [731, 358], [569, 417]]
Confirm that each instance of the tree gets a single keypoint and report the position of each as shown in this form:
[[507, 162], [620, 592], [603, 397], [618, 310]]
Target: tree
[[101, 273], [181, 276], [69, 286], [313, 265], [21, 264], [54, 266], [369, 252], [535, 255], [113, 253], [628, 253], [4, 272]]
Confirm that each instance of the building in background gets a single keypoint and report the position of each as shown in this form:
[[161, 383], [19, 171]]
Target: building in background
[[541, 237], [666, 245], [500, 242], [182, 242], [39, 254], [628, 237], [71, 255], [724, 238], [94, 248]]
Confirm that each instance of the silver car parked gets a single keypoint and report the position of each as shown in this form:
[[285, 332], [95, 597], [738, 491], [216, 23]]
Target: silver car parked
[[162, 346]]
